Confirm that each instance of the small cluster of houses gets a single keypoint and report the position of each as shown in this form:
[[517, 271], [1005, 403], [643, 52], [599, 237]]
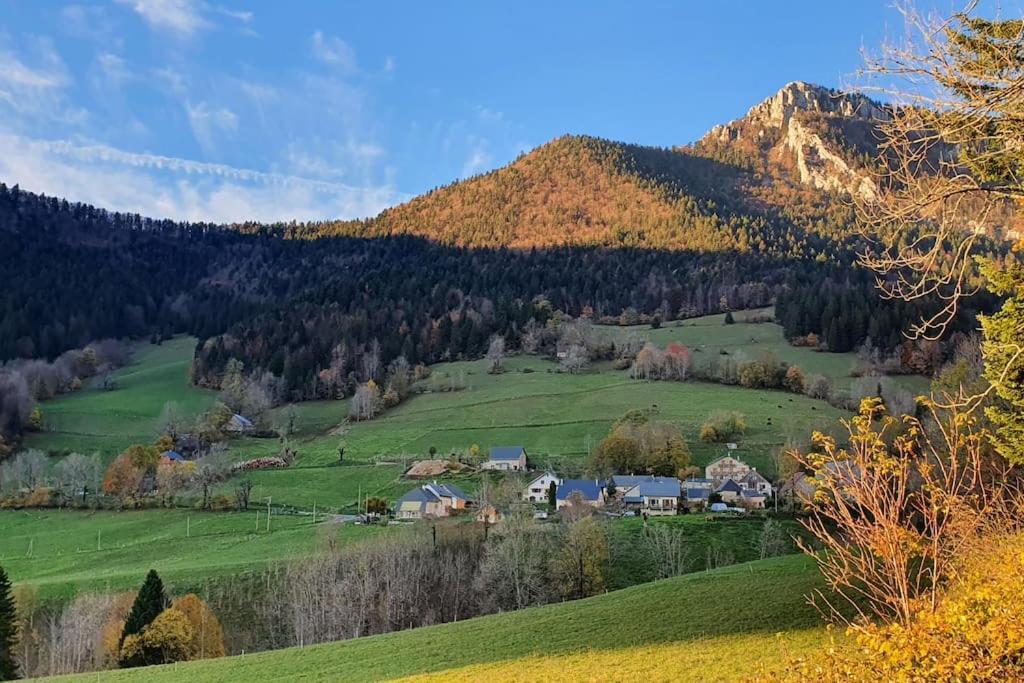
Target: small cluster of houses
[[728, 482]]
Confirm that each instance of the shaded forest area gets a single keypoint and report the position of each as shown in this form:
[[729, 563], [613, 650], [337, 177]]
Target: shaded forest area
[[349, 306]]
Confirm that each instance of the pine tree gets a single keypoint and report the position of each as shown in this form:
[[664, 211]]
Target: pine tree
[[8, 630], [148, 605]]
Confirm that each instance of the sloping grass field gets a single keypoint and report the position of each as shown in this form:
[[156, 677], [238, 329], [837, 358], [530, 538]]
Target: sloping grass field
[[96, 421], [711, 626], [559, 418], [65, 552], [708, 336]]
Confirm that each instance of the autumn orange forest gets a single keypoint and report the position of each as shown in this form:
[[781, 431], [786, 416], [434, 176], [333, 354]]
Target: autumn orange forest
[[609, 342]]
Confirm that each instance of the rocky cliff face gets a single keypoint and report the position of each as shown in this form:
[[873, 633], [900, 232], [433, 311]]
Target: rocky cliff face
[[805, 133]]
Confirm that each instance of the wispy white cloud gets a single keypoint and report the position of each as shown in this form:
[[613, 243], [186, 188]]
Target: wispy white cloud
[[183, 17], [15, 74], [175, 81], [239, 15], [208, 123], [479, 158], [111, 71], [92, 23], [334, 51], [177, 188]]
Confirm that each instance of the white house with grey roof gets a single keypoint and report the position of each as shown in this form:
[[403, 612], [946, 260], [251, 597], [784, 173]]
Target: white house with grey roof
[[506, 459]]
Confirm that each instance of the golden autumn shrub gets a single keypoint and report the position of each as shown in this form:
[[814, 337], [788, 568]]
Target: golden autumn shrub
[[207, 634], [975, 634], [168, 638]]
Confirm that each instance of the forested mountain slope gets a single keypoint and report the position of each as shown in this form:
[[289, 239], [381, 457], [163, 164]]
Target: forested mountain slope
[[751, 213]]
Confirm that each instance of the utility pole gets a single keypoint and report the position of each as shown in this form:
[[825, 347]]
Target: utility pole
[[314, 513], [268, 514], [188, 526]]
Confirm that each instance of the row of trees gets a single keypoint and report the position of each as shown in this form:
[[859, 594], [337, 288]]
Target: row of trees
[[93, 632]]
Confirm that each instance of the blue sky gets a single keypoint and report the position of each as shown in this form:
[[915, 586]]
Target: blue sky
[[216, 110]]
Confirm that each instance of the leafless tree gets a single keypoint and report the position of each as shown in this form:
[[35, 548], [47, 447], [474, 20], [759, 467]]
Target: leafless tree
[[496, 354], [668, 550], [28, 469], [78, 474], [772, 540], [365, 403], [575, 360], [172, 420], [71, 637], [211, 469], [513, 573]]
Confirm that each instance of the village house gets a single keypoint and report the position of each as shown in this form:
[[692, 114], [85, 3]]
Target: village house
[[697, 490], [648, 493], [660, 497], [591, 492], [172, 456], [798, 490], [731, 468], [537, 490], [506, 459], [431, 500], [239, 424], [726, 467], [754, 480], [697, 498], [488, 514], [733, 493], [730, 491], [627, 487]]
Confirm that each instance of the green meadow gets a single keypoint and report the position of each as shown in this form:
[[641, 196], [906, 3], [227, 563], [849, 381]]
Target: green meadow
[[96, 421], [64, 552], [558, 418], [720, 625], [709, 336]]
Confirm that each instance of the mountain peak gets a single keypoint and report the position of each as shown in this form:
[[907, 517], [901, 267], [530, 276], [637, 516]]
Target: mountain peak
[[806, 132], [777, 110]]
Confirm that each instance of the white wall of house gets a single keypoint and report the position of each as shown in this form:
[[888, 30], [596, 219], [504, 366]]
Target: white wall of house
[[506, 465], [537, 490], [657, 506]]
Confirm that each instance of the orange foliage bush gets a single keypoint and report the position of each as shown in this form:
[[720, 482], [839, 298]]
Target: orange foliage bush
[[122, 477], [207, 634]]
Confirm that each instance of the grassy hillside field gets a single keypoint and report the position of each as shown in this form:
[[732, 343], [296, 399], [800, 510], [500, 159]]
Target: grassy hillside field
[[63, 552], [711, 626], [96, 421], [557, 417], [708, 336]]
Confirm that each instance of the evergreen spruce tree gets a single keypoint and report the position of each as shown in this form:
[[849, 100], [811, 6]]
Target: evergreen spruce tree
[[8, 630], [148, 605]]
